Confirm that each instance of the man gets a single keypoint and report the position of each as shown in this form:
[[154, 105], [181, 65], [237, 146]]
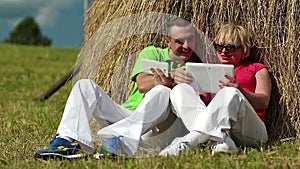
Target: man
[[147, 106]]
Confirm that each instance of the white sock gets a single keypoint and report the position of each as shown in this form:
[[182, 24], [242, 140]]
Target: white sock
[[66, 137], [194, 138]]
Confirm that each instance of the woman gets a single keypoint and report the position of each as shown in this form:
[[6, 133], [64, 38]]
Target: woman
[[236, 114]]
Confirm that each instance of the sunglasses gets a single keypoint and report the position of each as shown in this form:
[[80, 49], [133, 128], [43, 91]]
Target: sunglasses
[[229, 48]]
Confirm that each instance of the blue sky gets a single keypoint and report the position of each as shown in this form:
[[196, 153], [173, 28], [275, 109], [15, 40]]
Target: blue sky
[[59, 20]]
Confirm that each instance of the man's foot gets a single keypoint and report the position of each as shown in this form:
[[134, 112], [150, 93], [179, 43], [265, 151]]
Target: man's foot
[[111, 147], [61, 148], [177, 146], [228, 146]]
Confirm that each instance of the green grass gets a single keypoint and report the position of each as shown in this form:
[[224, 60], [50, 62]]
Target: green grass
[[28, 125]]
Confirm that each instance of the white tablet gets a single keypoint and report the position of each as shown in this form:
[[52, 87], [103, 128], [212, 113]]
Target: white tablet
[[147, 64], [207, 76]]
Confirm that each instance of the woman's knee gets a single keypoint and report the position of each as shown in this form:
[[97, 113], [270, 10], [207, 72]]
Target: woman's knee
[[229, 91], [181, 87]]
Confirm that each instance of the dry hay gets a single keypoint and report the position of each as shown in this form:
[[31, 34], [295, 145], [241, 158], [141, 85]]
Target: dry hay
[[274, 24]]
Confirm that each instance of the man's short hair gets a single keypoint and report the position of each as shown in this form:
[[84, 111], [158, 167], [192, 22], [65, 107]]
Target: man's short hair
[[176, 21]]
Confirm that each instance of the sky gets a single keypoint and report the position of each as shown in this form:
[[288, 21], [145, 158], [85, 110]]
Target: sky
[[59, 20]]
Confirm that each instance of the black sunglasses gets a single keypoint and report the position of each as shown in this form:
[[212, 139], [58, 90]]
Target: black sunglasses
[[228, 48]]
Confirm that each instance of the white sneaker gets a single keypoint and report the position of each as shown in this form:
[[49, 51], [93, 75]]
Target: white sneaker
[[228, 146], [177, 146]]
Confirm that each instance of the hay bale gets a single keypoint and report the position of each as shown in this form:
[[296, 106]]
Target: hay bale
[[274, 24], [121, 83]]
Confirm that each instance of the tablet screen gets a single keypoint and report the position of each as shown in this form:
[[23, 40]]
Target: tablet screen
[[207, 76]]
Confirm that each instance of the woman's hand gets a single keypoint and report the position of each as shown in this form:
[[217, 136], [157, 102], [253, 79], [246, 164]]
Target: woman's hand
[[182, 76], [231, 82]]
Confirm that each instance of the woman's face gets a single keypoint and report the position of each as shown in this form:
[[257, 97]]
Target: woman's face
[[229, 54]]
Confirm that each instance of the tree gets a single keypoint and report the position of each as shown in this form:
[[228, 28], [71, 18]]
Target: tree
[[27, 32]]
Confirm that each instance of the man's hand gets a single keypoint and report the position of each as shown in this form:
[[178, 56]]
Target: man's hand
[[159, 78], [182, 76]]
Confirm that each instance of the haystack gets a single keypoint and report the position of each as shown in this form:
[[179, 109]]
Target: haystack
[[274, 25]]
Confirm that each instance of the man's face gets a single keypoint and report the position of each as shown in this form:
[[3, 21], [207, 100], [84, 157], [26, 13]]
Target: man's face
[[182, 42]]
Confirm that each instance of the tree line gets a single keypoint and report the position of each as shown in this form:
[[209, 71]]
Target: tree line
[[27, 32]]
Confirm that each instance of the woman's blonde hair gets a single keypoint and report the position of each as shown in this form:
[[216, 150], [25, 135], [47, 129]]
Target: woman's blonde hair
[[234, 35]]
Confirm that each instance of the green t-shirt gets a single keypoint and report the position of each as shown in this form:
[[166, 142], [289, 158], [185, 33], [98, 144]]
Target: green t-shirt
[[153, 53]]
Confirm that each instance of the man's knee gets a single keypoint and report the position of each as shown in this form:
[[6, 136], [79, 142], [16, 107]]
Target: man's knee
[[161, 89], [87, 86], [84, 82]]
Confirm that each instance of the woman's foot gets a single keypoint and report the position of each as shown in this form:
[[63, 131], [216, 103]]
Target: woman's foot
[[228, 146]]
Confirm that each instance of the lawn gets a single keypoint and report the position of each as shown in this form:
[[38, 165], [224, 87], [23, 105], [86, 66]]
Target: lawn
[[28, 125]]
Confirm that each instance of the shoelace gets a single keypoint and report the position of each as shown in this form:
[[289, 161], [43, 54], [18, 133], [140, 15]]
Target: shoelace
[[214, 145], [183, 147]]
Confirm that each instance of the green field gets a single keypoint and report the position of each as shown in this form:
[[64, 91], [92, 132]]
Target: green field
[[28, 125]]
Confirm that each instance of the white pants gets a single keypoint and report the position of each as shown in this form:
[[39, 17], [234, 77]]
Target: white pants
[[229, 111], [87, 99]]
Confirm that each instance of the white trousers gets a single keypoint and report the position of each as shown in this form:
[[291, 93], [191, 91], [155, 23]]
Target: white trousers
[[229, 111], [87, 99]]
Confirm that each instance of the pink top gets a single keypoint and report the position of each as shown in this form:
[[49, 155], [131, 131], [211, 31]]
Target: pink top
[[245, 75]]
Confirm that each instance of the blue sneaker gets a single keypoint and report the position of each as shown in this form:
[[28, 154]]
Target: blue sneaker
[[61, 148], [111, 147]]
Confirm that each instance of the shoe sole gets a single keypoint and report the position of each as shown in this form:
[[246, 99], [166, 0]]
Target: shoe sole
[[224, 152], [46, 156], [110, 156]]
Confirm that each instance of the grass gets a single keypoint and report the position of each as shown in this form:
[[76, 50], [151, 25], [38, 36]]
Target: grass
[[28, 125]]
